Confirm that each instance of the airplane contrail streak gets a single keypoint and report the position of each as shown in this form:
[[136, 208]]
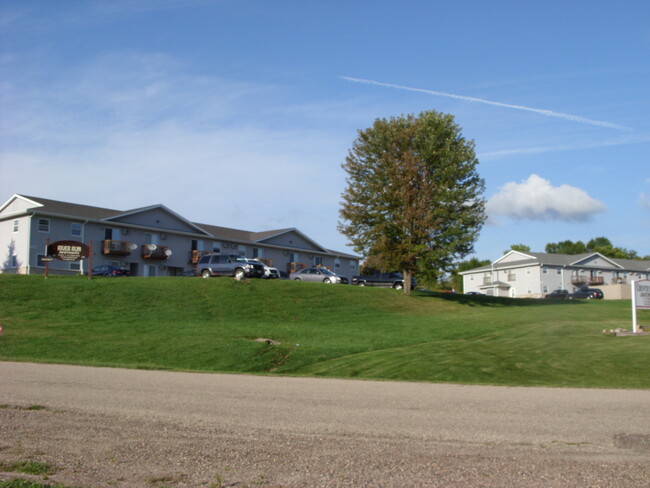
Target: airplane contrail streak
[[547, 113]]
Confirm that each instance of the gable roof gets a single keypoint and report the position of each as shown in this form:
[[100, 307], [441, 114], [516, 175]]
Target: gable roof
[[559, 260]]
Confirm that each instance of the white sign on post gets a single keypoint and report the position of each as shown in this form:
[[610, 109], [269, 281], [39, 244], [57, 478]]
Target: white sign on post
[[640, 299]]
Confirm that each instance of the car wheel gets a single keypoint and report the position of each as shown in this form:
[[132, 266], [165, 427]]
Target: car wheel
[[298, 279], [327, 280], [205, 273], [398, 286], [361, 283], [239, 274]]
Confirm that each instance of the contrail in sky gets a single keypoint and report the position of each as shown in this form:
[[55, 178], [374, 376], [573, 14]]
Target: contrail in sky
[[548, 113]]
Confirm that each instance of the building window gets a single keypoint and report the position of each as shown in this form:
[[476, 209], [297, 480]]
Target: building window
[[527, 271], [16, 222], [318, 260], [545, 288], [44, 225], [258, 253], [75, 229], [544, 270], [13, 261], [75, 266], [337, 263], [559, 271], [39, 260], [242, 251], [216, 247], [353, 264]]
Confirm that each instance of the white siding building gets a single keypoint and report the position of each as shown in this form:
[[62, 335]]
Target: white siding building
[[126, 238], [518, 274]]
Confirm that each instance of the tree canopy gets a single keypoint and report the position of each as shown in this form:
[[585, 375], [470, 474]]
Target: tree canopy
[[601, 245], [413, 200], [518, 247]]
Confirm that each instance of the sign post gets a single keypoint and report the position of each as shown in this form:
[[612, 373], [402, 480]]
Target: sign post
[[640, 299]]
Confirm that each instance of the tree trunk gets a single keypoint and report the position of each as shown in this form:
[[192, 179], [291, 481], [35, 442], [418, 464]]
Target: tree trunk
[[407, 281]]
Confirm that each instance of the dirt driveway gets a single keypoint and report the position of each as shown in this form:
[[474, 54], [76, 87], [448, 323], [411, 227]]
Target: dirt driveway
[[124, 428]]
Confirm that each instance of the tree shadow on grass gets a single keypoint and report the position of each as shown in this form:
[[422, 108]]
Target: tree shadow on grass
[[489, 301]]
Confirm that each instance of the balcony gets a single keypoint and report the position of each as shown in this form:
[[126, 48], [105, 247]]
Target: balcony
[[596, 280], [578, 280], [152, 251], [293, 267], [118, 248], [195, 255]]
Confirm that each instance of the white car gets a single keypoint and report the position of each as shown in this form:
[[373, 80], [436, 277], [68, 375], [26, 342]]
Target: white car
[[269, 271]]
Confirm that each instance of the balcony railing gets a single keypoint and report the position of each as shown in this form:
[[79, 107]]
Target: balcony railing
[[596, 280], [153, 251], [578, 280], [119, 248], [293, 267]]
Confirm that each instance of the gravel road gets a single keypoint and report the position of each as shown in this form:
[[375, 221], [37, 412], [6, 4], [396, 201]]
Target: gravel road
[[107, 427]]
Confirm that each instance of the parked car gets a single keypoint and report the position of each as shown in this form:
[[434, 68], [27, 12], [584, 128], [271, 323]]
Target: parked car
[[561, 294], [228, 265], [110, 270], [587, 293], [387, 280], [474, 293], [322, 275], [269, 271]]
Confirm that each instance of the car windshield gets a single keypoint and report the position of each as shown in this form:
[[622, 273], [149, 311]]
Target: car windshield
[[326, 271]]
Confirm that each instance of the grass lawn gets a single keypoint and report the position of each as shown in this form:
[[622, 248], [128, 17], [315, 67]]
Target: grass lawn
[[192, 324]]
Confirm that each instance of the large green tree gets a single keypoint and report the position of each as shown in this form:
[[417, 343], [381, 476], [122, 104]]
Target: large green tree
[[414, 200]]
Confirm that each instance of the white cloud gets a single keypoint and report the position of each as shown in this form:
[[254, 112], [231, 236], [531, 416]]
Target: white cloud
[[537, 199], [644, 200]]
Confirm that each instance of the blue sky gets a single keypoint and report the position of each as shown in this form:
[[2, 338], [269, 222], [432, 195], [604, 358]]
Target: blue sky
[[240, 113]]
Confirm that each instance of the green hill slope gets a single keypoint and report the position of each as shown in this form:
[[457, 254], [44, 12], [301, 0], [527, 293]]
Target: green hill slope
[[214, 325]]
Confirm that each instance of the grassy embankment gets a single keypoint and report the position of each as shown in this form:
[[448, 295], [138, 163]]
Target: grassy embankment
[[193, 324]]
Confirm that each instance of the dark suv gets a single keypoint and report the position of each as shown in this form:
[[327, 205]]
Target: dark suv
[[587, 293], [228, 265], [558, 294]]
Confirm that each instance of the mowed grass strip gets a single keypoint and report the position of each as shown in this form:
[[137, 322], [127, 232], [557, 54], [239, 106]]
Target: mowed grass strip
[[192, 324]]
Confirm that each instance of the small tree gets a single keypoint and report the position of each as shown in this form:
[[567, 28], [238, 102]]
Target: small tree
[[414, 199], [518, 247]]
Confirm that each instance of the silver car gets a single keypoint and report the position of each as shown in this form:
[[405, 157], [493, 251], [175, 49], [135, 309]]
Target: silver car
[[321, 275]]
